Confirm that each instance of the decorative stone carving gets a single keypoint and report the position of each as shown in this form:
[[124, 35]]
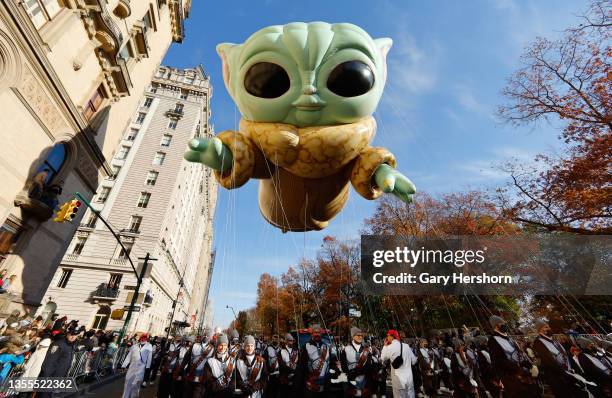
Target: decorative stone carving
[[10, 62], [87, 169], [40, 102]]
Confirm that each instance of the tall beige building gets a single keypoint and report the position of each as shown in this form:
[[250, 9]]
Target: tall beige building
[[159, 204], [72, 73]]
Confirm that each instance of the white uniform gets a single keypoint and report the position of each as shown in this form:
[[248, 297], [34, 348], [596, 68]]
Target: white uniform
[[401, 378], [139, 359]]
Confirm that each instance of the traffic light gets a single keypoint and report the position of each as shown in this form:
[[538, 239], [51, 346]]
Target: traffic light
[[68, 211], [61, 213]]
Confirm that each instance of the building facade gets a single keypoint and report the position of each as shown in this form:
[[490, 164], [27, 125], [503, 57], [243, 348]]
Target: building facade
[[159, 204], [71, 75]]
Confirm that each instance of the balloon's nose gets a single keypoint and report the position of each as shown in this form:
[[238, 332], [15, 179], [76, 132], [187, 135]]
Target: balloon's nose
[[309, 89]]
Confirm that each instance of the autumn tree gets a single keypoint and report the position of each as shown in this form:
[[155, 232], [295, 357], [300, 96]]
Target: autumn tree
[[567, 80]]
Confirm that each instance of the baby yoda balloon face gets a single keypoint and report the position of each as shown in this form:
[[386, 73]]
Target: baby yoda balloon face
[[306, 93]]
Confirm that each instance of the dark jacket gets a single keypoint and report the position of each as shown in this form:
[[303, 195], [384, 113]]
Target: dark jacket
[[58, 359]]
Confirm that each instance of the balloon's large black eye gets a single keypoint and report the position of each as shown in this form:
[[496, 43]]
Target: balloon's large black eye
[[350, 79], [266, 80]]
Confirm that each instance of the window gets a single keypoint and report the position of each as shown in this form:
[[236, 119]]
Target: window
[[143, 201], [184, 95], [148, 102], [114, 281], [41, 11], [63, 281], [135, 222], [123, 152], [94, 103], [132, 134], [80, 243], [126, 51], [141, 117], [125, 253], [172, 124], [91, 221], [159, 158], [153, 89], [101, 318], [103, 195], [178, 108], [115, 171], [189, 79], [166, 139], [9, 233], [151, 178]]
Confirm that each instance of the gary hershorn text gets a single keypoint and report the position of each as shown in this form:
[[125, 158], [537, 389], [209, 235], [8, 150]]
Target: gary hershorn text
[[455, 278]]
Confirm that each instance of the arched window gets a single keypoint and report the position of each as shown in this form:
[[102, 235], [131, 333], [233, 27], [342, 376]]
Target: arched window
[[101, 317], [54, 161]]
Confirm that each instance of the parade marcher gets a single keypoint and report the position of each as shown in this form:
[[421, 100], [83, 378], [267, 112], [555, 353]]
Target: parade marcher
[[484, 364], [194, 372], [288, 362], [401, 369], [447, 371], [183, 347], [356, 362], [429, 367], [594, 369], [169, 362], [378, 371], [271, 356], [138, 359], [191, 356], [235, 347], [463, 372], [250, 371], [59, 357], [555, 365], [219, 372], [315, 360], [513, 371]]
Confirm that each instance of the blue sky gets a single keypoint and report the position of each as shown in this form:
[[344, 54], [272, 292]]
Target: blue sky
[[447, 66]]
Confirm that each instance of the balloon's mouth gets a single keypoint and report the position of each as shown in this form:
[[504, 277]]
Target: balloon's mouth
[[309, 107]]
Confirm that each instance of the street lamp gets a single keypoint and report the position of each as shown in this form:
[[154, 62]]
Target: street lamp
[[232, 308]]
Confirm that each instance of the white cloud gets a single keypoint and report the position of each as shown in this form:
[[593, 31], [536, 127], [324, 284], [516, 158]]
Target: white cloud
[[467, 100], [412, 66]]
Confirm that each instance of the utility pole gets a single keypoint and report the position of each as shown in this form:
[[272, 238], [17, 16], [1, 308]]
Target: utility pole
[[139, 279], [174, 307]]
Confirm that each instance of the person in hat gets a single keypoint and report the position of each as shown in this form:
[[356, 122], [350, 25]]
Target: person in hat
[[401, 376], [169, 362], [511, 366], [463, 372], [594, 369], [555, 364], [235, 346], [271, 357], [193, 353], [484, 363], [59, 357], [250, 371], [315, 361], [429, 368], [194, 372], [356, 362], [288, 362], [219, 372], [137, 361]]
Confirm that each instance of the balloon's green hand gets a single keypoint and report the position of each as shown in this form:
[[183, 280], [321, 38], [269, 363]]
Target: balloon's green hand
[[392, 181], [211, 152]]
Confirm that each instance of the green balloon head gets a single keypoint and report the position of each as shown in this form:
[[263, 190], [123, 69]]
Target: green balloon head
[[306, 74]]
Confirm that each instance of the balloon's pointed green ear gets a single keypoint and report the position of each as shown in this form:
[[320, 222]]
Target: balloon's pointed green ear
[[384, 45], [223, 50]]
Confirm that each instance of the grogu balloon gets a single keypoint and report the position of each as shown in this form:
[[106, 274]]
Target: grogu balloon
[[306, 92]]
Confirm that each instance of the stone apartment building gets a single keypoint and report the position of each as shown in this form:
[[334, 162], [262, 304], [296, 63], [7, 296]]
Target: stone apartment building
[[72, 72], [159, 204]]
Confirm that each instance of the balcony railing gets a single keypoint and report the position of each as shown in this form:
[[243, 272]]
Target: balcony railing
[[119, 261], [71, 257], [104, 292]]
